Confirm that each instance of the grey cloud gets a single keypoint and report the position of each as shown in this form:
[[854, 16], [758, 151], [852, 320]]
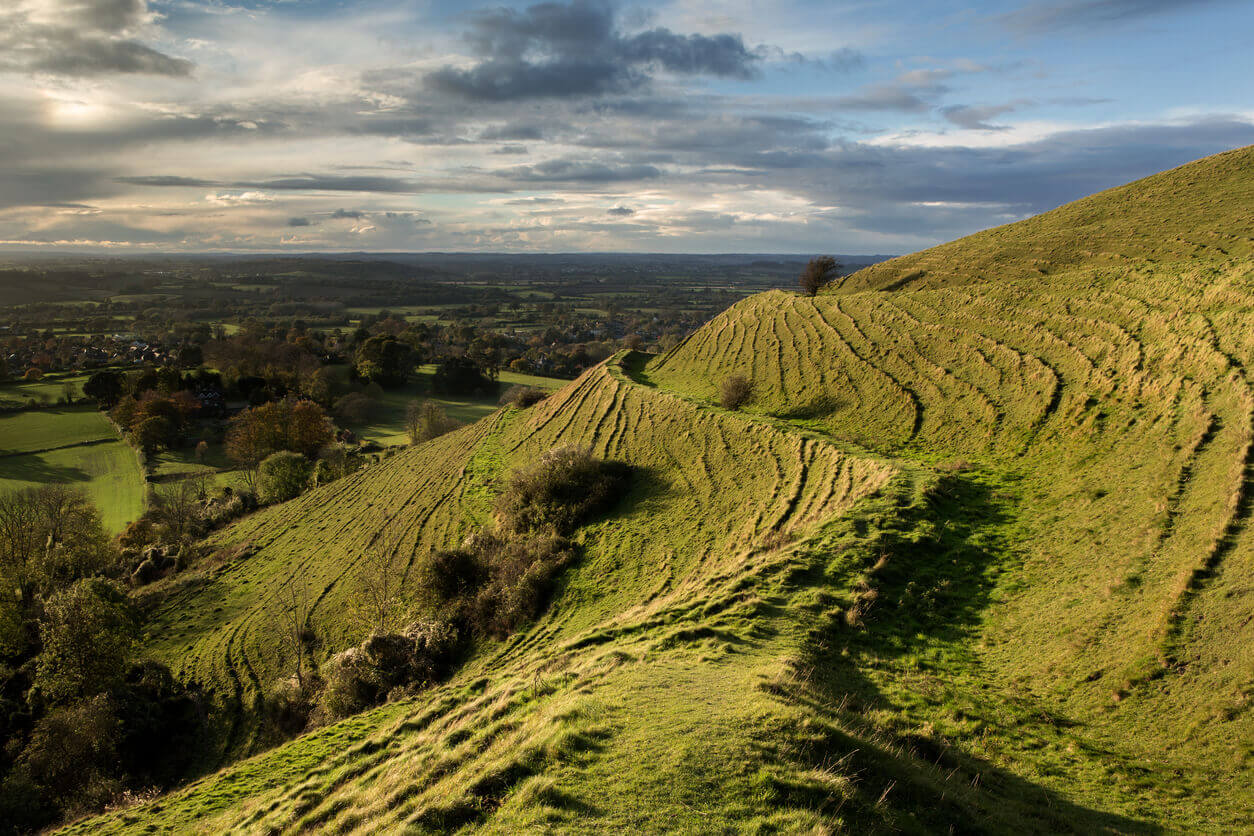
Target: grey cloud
[[166, 180], [352, 214], [84, 57], [567, 170], [510, 149], [533, 201], [321, 183], [888, 97], [621, 212], [976, 118], [1068, 14], [553, 50], [514, 131], [299, 222], [82, 38]]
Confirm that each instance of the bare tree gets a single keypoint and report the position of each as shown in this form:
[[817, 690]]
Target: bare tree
[[177, 506], [289, 612], [379, 588]]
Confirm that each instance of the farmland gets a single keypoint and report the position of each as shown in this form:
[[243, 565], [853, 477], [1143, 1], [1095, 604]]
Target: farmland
[[74, 445]]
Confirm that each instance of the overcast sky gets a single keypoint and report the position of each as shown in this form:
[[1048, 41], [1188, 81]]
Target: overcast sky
[[797, 126]]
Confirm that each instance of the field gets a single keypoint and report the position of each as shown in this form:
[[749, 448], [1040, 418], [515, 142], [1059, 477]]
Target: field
[[74, 445], [976, 558], [387, 425], [52, 389]]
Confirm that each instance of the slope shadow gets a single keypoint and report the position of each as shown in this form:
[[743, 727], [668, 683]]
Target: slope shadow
[[33, 468], [933, 574]]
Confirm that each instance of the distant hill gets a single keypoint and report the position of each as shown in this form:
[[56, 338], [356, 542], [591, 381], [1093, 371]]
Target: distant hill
[[976, 558]]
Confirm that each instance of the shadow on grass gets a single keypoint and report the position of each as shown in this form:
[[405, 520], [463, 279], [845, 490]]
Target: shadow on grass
[[33, 468], [899, 642]]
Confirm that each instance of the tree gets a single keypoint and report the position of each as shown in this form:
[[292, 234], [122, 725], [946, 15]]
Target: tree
[[282, 476], [425, 420], [385, 360], [298, 426], [152, 434], [88, 633], [380, 575], [289, 612], [177, 507], [821, 270], [461, 376], [105, 387], [735, 392]]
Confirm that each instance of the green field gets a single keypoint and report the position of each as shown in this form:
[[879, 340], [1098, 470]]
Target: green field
[[77, 446], [977, 558], [387, 425], [51, 389]]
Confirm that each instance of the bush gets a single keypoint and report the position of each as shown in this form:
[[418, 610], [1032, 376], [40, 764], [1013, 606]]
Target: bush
[[365, 675], [354, 408], [735, 391], [282, 476], [425, 420], [523, 396], [565, 488], [521, 574]]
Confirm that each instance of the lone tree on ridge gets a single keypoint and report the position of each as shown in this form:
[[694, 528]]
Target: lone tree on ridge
[[821, 270]]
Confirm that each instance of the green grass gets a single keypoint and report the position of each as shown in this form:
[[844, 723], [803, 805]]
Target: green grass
[[976, 558], [51, 389], [74, 445]]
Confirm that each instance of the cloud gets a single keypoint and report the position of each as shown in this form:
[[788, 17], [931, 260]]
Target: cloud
[[621, 212], [323, 183], [911, 92], [299, 222], [239, 198], [513, 130], [1075, 14], [553, 50], [976, 118], [510, 149], [571, 170], [165, 180], [352, 214], [82, 38]]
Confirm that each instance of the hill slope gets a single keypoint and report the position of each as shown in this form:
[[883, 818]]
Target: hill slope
[[1202, 212], [978, 556]]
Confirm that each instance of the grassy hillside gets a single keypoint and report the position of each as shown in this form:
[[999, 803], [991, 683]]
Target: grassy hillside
[[1201, 212], [977, 558]]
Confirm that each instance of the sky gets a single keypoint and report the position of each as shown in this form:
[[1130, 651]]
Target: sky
[[788, 126]]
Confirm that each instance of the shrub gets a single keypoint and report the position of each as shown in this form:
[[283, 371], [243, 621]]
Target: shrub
[[453, 573], [365, 675], [282, 476], [523, 396], [354, 408], [566, 487], [425, 420], [735, 391], [521, 578]]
